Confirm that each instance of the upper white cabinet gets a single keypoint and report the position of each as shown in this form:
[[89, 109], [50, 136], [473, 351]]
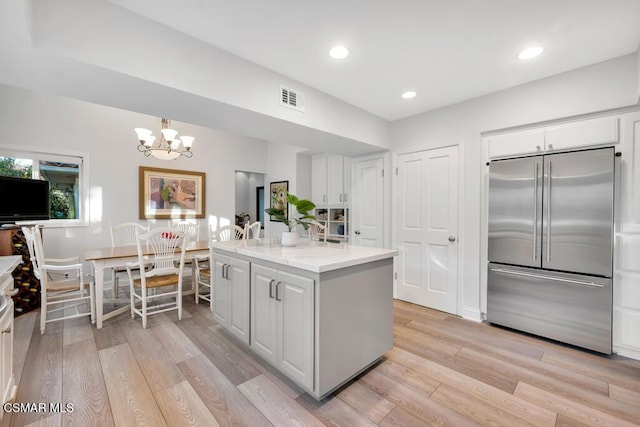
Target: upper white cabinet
[[330, 180], [319, 180], [604, 130], [516, 143], [561, 137]]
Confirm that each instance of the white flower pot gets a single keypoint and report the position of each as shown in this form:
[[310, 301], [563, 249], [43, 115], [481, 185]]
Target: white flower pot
[[289, 238]]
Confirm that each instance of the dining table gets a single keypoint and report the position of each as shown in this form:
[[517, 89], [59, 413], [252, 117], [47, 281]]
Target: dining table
[[104, 259]]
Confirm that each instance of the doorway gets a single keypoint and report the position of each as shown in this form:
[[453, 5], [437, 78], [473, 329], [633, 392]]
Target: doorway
[[249, 202], [427, 228]]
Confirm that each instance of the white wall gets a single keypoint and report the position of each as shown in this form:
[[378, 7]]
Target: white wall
[[33, 120], [607, 85], [281, 166]]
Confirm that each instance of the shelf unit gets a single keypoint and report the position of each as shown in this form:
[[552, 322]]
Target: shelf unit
[[336, 220]]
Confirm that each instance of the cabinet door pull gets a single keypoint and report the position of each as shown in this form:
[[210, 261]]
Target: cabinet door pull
[[278, 291], [225, 271], [340, 198], [7, 331], [324, 198], [12, 293], [271, 287], [345, 197]]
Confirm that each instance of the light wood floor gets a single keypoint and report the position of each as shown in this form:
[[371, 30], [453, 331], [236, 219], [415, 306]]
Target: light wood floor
[[442, 370]]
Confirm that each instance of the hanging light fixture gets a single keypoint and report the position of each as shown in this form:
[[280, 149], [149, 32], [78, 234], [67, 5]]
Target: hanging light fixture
[[168, 147]]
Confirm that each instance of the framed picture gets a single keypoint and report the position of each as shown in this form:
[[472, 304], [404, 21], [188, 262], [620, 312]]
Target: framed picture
[[171, 193], [278, 197]]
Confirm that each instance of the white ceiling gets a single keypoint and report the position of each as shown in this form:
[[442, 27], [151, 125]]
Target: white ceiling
[[446, 51]]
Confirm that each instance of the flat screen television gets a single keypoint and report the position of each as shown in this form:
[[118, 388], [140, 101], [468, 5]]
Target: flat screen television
[[23, 199]]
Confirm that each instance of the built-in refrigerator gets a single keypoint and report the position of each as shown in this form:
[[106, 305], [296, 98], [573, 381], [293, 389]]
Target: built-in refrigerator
[[550, 247]]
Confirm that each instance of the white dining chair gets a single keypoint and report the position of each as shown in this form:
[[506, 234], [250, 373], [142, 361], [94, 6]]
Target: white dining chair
[[252, 231], [157, 271], [63, 286], [204, 282], [229, 232], [317, 231], [123, 235], [192, 230]]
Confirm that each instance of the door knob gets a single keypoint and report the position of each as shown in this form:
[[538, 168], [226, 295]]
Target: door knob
[[452, 239], [357, 231]]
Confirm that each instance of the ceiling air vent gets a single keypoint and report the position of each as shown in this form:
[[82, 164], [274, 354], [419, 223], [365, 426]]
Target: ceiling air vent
[[291, 99]]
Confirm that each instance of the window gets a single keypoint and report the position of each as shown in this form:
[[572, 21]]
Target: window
[[64, 174]]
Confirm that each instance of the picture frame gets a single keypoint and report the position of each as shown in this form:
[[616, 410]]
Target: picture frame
[[171, 193], [278, 192]]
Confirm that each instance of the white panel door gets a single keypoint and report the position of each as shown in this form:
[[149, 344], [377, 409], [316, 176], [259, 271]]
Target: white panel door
[[367, 210], [428, 228]]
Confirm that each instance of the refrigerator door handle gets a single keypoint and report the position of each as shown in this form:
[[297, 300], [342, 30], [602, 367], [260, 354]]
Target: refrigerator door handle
[[535, 212], [549, 215], [542, 276]]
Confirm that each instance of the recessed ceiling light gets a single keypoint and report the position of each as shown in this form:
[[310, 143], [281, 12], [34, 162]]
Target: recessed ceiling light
[[339, 52], [530, 52], [409, 94]]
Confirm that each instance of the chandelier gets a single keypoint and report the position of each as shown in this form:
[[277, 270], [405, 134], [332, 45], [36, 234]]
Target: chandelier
[[168, 147]]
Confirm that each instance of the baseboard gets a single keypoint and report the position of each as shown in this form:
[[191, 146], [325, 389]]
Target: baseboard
[[627, 352], [471, 313]]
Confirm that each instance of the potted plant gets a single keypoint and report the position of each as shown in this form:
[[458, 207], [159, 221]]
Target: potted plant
[[300, 209]]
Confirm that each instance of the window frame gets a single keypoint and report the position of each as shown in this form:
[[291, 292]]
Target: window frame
[[67, 156]]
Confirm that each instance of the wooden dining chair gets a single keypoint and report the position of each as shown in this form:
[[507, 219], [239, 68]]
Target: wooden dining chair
[[64, 289], [123, 235], [157, 271]]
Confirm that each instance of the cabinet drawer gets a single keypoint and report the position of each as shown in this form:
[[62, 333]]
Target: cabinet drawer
[[565, 307]]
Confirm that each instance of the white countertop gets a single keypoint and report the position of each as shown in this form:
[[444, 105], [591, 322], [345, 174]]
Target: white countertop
[[8, 264], [313, 256]]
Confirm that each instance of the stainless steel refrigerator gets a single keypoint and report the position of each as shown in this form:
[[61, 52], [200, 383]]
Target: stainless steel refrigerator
[[551, 246]]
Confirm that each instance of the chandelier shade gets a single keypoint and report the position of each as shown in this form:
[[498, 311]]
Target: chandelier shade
[[168, 147]]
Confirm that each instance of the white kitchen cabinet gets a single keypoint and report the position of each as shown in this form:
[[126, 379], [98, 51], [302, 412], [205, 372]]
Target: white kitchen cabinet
[[561, 137], [282, 316], [583, 133], [319, 180], [7, 381], [231, 295], [330, 179], [626, 292], [6, 328], [516, 143]]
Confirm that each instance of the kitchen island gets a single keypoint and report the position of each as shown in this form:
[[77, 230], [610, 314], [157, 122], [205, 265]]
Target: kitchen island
[[319, 312]]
